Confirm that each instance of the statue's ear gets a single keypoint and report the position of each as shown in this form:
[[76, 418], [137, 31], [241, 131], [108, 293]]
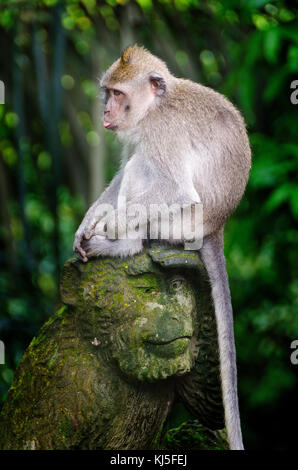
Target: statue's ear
[[70, 282]]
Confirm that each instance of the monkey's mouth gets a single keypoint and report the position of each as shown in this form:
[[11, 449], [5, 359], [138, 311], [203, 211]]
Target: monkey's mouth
[[109, 126]]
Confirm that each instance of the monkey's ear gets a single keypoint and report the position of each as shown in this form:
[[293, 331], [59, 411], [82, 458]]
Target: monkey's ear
[[158, 84]]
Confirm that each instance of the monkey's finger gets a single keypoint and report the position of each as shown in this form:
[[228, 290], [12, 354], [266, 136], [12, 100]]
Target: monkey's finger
[[87, 248], [81, 253]]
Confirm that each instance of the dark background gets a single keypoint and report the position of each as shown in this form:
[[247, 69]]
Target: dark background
[[55, 159]]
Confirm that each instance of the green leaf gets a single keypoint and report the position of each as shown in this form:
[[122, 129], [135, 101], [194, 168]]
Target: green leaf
[[272, 44], [276, 84], [281, 195]]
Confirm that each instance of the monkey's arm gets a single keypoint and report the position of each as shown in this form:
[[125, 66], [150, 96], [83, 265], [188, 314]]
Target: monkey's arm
[[146, 183], [107, 201], [143, 186]]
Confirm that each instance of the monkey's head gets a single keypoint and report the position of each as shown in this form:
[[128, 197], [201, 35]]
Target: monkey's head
[[135, 83]]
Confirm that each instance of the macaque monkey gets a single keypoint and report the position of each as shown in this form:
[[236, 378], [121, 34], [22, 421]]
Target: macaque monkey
[[187, 145]]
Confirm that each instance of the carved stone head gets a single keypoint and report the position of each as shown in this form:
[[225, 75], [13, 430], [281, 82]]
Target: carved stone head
[[151, 316]]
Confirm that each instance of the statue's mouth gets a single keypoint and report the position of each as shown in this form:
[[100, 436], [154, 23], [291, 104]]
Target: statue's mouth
[[162, 343]]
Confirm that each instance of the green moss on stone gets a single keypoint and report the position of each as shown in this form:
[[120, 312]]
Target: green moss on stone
[[105, 369]]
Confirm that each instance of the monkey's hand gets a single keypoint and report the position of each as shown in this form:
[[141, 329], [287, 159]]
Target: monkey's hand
[[84, 232]]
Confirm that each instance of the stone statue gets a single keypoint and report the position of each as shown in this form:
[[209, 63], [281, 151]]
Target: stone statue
[[132, 336]]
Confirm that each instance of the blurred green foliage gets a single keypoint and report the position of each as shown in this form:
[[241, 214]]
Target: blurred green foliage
[[55, 159]]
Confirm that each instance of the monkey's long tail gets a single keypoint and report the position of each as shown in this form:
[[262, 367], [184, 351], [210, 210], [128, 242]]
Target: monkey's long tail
[[214, 261]]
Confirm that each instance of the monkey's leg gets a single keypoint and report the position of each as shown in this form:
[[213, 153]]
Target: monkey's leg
[[116, 236], [86, 229], [214, 261]]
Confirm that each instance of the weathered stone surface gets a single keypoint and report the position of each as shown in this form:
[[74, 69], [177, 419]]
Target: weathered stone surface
[[192, 435], [131, 336]]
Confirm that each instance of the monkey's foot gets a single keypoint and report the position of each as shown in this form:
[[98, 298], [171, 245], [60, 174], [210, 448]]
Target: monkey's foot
[[83, 234], [97, 246]]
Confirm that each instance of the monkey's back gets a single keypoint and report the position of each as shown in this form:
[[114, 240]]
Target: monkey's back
[[217, 150]]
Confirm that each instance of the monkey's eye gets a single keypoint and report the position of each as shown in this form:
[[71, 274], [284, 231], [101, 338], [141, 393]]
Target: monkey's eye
[[177, 283], [118, 92]]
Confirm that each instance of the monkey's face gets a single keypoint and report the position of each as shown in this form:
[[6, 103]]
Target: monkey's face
[[127, 103], [132, 85]]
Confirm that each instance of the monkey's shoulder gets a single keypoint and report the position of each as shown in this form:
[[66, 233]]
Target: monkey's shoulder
[[202, 100]]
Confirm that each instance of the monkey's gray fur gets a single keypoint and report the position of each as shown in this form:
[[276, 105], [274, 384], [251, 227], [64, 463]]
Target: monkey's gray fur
[[188, 144]]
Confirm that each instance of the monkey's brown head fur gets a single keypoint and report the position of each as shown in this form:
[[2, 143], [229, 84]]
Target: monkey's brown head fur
[[133, 84], [134, 61]]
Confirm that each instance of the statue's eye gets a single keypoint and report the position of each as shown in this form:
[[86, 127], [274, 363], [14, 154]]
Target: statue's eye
[[146, 289], [177, 283]]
